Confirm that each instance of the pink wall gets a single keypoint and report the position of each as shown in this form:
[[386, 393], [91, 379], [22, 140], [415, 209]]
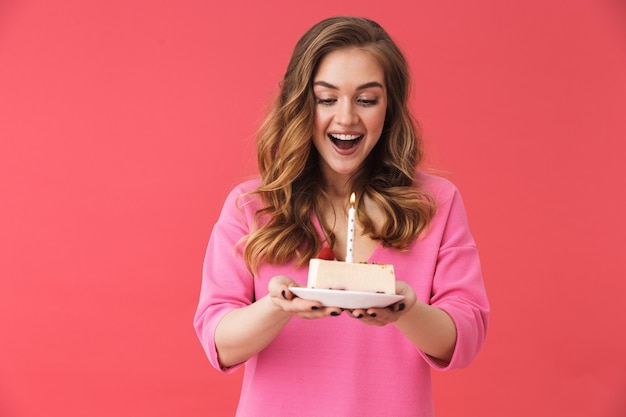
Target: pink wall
[[124, 123]]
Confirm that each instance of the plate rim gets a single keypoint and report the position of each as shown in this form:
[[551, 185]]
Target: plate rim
[[393, 297]]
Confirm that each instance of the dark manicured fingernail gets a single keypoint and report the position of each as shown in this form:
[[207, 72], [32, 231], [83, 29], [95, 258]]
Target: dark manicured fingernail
[[358, 316], [315, 308], [334, 313], [401, 306], [373, 315], [284, 294]]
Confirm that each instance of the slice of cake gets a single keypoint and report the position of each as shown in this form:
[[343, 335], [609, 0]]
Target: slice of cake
[[336, 275]]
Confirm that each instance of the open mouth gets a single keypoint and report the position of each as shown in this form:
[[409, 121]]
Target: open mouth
[[345, 141]]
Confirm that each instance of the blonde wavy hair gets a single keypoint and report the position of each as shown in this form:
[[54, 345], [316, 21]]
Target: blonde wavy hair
[[292, 186]]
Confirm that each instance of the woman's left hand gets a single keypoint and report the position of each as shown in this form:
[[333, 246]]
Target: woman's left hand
[[386, 315]]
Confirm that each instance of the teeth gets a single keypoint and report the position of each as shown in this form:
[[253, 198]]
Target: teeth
[[345, 137]]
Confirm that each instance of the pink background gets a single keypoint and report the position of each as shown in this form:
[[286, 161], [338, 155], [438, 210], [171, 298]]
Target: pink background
[[123, 124]]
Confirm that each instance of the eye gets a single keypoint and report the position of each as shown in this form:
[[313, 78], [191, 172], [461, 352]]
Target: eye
[[367, 102], [325, 101]]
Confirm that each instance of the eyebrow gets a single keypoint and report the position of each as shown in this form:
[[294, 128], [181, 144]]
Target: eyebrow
[[361, 87]]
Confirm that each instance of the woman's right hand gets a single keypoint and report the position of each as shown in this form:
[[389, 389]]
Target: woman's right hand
[[244, 332], [283, 298]]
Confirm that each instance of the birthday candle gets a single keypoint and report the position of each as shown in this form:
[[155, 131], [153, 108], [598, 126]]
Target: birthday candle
[[351, 223]]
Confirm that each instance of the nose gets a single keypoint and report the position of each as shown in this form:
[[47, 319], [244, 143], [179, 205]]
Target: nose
[[346, 114]]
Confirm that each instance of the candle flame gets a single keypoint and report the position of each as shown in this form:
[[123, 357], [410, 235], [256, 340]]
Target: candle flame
[[352, 198]]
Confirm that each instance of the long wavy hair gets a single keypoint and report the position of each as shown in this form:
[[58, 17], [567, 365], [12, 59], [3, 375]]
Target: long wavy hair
[[292, 186]]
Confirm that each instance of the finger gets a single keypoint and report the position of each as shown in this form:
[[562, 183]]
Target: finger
[[317, 312], [286, 293], [358, 313], [373, 312], [399, 306], [278, 284], [380, 316]]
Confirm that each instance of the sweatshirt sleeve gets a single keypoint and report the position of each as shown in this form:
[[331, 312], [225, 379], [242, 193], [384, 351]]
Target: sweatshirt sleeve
[[458, 287], [226, 282]]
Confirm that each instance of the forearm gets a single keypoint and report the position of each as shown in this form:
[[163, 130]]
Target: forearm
[[248, 330], [430, 329]]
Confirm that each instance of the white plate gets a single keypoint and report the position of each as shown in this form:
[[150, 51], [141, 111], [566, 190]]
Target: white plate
[[346, 299]]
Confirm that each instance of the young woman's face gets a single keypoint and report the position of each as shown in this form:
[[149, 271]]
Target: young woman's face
[[351, 102]]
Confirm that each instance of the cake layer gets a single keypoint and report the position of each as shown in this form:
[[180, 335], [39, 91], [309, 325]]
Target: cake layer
[[336, 275]]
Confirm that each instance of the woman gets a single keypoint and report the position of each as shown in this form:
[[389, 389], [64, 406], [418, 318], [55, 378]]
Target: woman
[[340, 125]]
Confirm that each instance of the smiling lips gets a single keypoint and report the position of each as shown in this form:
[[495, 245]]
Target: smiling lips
[[343, 141]]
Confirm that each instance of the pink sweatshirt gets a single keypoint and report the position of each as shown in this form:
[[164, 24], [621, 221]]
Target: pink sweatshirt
[[338, 366]]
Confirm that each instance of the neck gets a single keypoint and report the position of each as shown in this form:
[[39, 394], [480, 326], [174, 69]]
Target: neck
[[339, 193], [339, 187]]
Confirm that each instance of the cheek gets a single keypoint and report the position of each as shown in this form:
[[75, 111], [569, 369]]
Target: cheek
[[319, 124], [382, 117], [376, 122], [318, 132]]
